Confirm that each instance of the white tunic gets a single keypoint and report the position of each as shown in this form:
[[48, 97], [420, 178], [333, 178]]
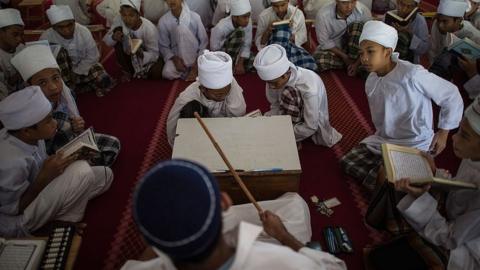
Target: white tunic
[[316, 123], [147, 32], [82, 48], [401, 106], [203, 8], [153, 10], [441, 41], [330, 29], [299, 29], [65, 198], [233, 105], [459, 231], [221, 31], [472, 86]]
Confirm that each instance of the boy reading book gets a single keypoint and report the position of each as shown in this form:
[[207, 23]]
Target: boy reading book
[[454, 236]]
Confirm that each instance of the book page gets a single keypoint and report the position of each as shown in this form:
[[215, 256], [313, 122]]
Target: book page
[[409, 165], [16, 256]]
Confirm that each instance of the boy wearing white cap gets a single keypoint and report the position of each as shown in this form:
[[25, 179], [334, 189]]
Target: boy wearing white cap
[[473, 14], [456, 234], [145, 63], [11, 38], [413, 38], [446, 29], [36, 188], [80, 9], [291, 36], [233, 35], [88, 73], [338, 27], [216, 93], [38, 67], [400, 96], [297, 92], [182, 39]]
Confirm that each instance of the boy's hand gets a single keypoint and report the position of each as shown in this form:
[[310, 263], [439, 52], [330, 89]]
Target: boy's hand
[[273, 226], [405, 186], [468, 65], [431, 161], [78, 124], [55, 165], [439, 142], [239, 68], [117, 34], [179, 64]]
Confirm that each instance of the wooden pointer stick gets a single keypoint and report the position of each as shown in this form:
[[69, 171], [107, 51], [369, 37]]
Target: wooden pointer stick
[[232, 170]]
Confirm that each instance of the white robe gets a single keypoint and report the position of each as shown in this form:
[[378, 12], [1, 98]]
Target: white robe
[[221, 31], [233, 105], [441, 41], [460, 231], [109, 9], [401, 106], [184, 37], [203, 8], [299, 29], [82, 48], [256, 252], [472, 86], [316, 123], [65, 198], [153, 10], [147, 32]]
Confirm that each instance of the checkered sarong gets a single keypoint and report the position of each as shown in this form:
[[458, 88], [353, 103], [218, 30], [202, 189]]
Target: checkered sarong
[[403, 46], [327, 60], [109, 146], [96, 78], [363, 165], [291, 103], [66, 69], [297, 55], [233, 45]]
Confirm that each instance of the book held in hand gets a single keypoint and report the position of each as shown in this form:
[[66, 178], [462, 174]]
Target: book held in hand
[[21, 254], [465, 47], [405, 162], [392, 17], [131, 45], [83, 145], [254, 113]]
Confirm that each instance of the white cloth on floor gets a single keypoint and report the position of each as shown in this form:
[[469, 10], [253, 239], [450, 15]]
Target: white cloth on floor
[[401, 106], [224, 28], [233, 105]]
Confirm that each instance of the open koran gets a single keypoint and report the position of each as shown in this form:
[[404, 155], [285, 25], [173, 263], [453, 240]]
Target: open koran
[[21, 254], [393, 17], [465, 47], [405, 162], [254, 113], [83, 144], [131, 45]]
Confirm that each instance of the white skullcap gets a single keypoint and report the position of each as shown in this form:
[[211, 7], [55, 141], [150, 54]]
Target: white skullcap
[[472, 113], [452, 8], [24, 108], [33, 59], [276, 1], [381, 33], [271, 62], [10, 16], [215, 69], [239, 7], [59, 13], [136, 4]]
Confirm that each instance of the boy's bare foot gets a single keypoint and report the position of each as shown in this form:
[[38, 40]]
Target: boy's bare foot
[[126, 77]]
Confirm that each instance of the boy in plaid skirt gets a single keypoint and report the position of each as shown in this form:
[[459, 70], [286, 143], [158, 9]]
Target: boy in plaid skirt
[[87, 73], [338, 27], [297, 92], [38, 67]]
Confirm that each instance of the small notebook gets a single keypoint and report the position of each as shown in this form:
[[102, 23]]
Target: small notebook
[[20, 254], [83, 145]]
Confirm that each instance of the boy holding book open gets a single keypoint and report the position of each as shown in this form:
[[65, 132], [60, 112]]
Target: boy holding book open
[[38, 67], [35, 188], [457, 232], [400, 96]]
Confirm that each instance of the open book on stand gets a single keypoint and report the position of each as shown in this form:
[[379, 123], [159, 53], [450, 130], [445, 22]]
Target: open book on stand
[[83, 145]]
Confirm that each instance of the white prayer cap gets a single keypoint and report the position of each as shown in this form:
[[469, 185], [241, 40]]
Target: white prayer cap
[[132, 3], [10, 16], [24, 108], [215, 69], [276, 1], [472, 113], [33, 59], [381, 33], [271, 62], [59, 13], [452, 8], [240, 7]]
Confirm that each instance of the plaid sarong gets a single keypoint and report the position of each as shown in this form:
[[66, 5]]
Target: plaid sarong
[[109, 146], [233, 44], [66, 69], [403, 46], [97, 78], [291, 103], [297, 55], [327, 60], [363, 165]]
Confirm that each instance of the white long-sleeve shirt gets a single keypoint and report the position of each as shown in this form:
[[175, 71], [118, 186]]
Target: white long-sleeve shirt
[[299, 29], [147, 32], [315, 119], [221, 31], [233, 105], [401, 106], [459, 231], [82, 48], [330, 29]]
